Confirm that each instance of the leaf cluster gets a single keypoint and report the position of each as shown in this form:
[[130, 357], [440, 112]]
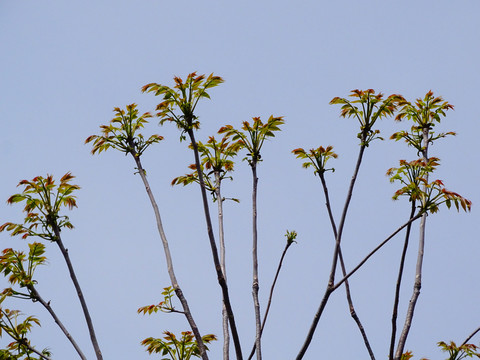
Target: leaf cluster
[[184, 96], [216, 160], [43, 201], [459, 352], [122, 133], [367, 107], [19, 268], [454, 351], [317, 158], [252, 136], [413, 176], [425, 113], [164, 306], [12, 325], [176, 349], [291, 236], [415, 137]]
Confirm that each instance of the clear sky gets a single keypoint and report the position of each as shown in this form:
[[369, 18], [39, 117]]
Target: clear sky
[[64, 66]]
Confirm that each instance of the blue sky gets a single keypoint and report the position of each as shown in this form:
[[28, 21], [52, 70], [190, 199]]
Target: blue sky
[[64, 66]]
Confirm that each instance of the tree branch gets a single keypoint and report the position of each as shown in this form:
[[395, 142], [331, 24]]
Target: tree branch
[[338, 284], [213, 246], [255, 284], [221, 236], [36, 296], [470, 336], [353, 313], [329, 289], [168, 257], [31, 348], [271, 295], [83, 303], [418, 270], [399, 282]]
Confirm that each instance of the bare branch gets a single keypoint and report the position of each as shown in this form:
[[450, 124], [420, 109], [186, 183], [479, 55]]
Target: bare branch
[[221, 279], [398, 286], [335, 287], [271, 295], [353, 313], [329, 289], [36, 296], [168, 257], [470, 336], [83, 303]]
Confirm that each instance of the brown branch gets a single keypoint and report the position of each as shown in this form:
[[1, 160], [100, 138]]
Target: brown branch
[[353, 313], [355, 269], [32, 349], [271, 295], [255, 285], [36, 297], [329, 289], [76, 284], [470, 336], [399, 283], [221, 279], [418, 269], [168, 257], [221, 236]]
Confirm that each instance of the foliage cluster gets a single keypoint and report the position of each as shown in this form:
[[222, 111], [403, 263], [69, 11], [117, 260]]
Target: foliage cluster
[[43, 200]]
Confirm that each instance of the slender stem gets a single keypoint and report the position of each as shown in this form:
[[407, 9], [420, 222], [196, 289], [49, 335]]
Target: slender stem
[[221, 236], [36, 297], [418, 269], [255, 285], [329, 288], [318, 314], [353, 313], [416, 292], [168, 257], [398, 286], [470, 336], [83, 303], [344, 213], [327, 204], [221, 279], [271, 295]]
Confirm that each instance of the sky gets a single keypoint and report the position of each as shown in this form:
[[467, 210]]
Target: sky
[[64, 66]]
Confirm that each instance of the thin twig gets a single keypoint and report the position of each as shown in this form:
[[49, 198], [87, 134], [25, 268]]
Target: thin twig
[[399, 283], [271, 295], [470, 336]]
